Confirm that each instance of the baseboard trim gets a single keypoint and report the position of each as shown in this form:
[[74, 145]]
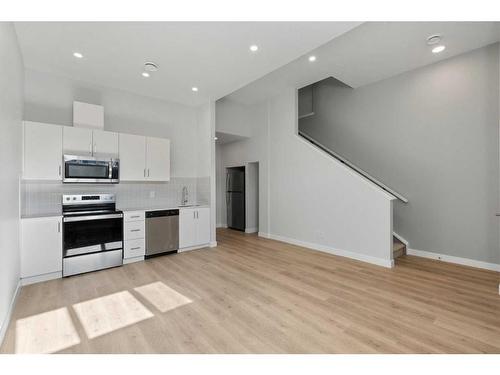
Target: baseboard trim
[[197, 247], [41, 278], [133, 260], [213, 244], [387, 263], [251, 230], [8, 316], [454, 259], [220, 225], [263, 234]]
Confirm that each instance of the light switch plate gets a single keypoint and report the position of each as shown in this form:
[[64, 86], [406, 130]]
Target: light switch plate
[[152, 194]]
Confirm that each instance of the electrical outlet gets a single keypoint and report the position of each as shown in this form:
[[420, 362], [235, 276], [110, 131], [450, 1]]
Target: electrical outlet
[[152, 194]]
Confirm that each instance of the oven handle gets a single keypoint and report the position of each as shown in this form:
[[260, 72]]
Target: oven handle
[[92, 217]]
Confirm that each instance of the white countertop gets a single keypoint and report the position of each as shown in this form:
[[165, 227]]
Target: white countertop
[[157, 208]]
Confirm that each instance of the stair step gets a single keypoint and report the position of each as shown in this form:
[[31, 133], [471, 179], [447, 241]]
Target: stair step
[[398, 248]]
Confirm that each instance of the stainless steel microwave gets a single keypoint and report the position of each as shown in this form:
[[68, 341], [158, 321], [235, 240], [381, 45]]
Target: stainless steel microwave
[[91, 170]]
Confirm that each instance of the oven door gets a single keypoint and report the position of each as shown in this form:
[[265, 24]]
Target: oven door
[[85, 169], [92, 233]]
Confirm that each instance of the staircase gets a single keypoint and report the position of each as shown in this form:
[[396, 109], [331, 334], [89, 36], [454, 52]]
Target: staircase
[[398, 248]]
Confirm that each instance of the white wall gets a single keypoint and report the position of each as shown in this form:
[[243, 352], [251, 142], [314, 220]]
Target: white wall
[[252, 197], [49, 98], [233, 118], [240, 153], [317, 200], [205, 145], [305, 196], [11, 110]]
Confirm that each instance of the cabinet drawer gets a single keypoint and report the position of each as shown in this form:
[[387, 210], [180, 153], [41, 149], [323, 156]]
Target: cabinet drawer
[[133, 230], [134, 248], [133, 216]]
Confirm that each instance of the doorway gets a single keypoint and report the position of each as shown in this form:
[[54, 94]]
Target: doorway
[[235, 198]]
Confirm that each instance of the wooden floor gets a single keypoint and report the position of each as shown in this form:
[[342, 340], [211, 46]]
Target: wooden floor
[[253, 295]]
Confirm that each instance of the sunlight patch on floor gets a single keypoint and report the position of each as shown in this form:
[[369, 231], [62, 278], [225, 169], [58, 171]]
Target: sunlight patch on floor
[[162, 297], [48, 332], [109, 313]]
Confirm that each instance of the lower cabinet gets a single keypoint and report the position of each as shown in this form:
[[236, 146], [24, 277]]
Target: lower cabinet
[[41, 247], [134, 244], [194, 227]]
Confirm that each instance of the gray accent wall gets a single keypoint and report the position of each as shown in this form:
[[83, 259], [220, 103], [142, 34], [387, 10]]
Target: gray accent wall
[[431, 134]]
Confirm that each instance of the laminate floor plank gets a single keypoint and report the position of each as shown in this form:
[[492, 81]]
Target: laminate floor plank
[[255, 295]]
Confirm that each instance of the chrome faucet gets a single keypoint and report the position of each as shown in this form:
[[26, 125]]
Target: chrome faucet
[[185, 197]]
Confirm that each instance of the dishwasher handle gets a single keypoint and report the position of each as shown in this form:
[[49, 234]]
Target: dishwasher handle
[[162, 213]]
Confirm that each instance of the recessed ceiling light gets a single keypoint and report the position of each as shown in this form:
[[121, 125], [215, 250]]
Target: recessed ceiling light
[[78, 55], [438, 49], [150, 67], [254, 48], [145, 74], [312, 58], [215, 138], [195, 89]]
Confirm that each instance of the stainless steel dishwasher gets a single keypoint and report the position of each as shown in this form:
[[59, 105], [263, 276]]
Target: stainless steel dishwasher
[[162, 232]]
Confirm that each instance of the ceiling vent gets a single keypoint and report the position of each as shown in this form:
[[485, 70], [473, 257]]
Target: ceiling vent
[[150, 67], [434, 39]]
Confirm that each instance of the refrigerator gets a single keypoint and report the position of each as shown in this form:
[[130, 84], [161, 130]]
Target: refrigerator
[[235, 198]]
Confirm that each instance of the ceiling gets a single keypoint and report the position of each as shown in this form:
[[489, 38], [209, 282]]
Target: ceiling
[[225, 138], [372, 52], [213, 56]]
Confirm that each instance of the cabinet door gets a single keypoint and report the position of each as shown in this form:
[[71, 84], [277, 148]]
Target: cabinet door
[[158, 159], [77, 141], [203, 226], [132, 157], [187, 228], [105, 143], [42, 151], [41, 246]]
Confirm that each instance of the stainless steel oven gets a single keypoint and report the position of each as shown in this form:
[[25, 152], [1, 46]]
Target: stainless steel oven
[[92, 233], [88, 169]]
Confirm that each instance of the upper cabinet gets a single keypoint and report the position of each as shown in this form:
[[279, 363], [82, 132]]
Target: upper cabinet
[[141, 158], [157, 159], [144, 158], [105, 143], [132, 157], [77, 141], [42, 149], [83, 141]]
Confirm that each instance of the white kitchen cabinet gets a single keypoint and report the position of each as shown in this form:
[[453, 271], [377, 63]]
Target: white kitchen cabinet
[[203, 225], [157, 159], [41, 246], [133, 230], [134, 245], [194, 227], [187, 228], [83, 141], [105, 143], [141, 158], [144, 158], [42, 151], [132, 157], [77, 141]]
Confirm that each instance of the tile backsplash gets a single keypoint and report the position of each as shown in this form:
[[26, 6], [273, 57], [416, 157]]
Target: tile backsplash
[[41, 198]]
